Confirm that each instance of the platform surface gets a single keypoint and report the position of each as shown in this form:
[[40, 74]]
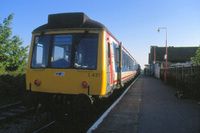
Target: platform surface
[[150, 106]]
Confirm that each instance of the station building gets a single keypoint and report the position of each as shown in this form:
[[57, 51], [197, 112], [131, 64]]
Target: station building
[[177, 56]]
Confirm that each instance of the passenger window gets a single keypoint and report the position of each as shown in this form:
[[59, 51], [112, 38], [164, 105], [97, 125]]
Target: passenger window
[[127, 59], [124, 60]]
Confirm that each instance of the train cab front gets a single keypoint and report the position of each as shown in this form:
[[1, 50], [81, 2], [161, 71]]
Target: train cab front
[[66, 63]]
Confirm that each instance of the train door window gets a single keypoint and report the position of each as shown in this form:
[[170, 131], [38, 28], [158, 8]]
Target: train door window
[[86, 52], [116, 50], [109, 60], [61, 51], [115, 53], [58, 53], [40, 51], [109, 50]]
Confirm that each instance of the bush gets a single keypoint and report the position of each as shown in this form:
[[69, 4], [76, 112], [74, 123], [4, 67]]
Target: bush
[[185, 79], [12, 84]]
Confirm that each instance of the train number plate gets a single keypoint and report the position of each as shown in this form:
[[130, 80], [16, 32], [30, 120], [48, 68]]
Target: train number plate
[[93, 74]]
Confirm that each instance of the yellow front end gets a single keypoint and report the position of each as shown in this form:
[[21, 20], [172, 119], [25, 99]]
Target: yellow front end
[[69, 81]]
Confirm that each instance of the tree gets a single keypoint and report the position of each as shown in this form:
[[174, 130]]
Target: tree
[[13, 56], [196, 58]]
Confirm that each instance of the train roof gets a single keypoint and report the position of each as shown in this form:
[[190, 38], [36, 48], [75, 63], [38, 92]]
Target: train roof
[[69, 20]]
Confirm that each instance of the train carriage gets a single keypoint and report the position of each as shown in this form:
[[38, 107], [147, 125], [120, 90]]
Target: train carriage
[[75, 56]]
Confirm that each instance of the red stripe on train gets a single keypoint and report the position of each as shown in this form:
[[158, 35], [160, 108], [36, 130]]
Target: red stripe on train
[[125, 77]]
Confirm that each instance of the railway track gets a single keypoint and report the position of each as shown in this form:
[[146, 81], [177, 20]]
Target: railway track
[[14, 116], [11, 111], [45, 128]]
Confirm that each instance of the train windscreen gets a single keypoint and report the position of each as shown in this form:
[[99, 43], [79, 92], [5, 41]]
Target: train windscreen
[[76, 51], [41, 51]]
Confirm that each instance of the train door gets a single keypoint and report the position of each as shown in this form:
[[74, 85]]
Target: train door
[[108, 69], [109, 65], [119, 69], [117, 63]]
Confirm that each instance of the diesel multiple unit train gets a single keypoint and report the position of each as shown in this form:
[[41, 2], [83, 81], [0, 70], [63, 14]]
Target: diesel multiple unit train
[[77, 59]]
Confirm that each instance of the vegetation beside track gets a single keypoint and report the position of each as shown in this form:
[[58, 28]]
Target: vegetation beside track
[[13, 57], [12, 86]]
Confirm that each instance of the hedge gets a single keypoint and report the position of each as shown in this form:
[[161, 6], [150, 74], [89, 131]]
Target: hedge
[[12, 84], [185, 79]]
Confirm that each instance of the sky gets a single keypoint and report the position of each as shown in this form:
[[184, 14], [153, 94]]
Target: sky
[[132, 22]]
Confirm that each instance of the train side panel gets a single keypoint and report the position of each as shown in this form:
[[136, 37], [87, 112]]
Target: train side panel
[[128, 63]]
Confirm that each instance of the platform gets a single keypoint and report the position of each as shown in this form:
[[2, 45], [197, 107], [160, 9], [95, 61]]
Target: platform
[[150, 106]]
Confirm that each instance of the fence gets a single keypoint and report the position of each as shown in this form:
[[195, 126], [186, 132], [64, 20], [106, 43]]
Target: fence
[[185, 78]]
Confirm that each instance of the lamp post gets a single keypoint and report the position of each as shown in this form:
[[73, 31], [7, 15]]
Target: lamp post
[[165, 74]]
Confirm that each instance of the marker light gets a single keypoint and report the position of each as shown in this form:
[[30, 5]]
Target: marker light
[[84, 84], [37, 82]]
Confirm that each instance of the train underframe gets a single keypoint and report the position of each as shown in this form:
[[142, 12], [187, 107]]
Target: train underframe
[[63, 102]]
